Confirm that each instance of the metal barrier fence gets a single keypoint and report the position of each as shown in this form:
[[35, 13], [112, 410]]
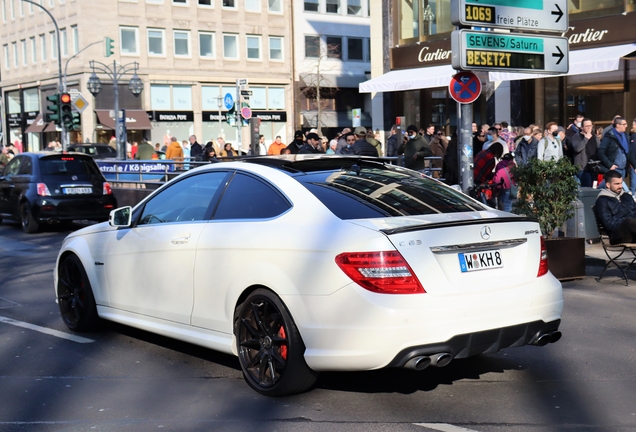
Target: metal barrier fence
[[133, 180]]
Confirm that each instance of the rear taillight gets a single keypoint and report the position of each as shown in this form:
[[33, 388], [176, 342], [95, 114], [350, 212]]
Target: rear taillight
[[43, 190], [543, 264], [380, 272], [106, 190]]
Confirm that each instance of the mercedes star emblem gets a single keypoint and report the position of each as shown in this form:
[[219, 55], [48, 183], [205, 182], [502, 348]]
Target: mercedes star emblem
[[485, 232]]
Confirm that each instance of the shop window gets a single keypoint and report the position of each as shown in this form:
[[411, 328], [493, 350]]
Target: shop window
[[258, 100], [160, 97], [333, 6], [210, 98], [334, 47], [276, 98], [581, 9], [128, 41], [312, 46], [275, 5], [182, 97], [31, 100], [423, 20], [156, 42], [354, 49], [311, 5]]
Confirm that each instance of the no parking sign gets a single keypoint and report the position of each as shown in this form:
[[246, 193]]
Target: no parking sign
[[465, 87]]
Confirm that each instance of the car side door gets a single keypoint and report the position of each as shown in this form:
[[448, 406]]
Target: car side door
[[150, 266], [10, 190]]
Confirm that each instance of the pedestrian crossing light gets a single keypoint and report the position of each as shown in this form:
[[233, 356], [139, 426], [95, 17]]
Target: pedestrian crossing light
[[109, 46], [53, 109], [66, 111]]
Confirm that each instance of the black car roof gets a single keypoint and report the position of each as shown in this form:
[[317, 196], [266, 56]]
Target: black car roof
[[292, 164], [45, 154]]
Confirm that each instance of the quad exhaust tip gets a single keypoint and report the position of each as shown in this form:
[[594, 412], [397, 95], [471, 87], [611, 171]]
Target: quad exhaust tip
[[545, 338], [422, 362]]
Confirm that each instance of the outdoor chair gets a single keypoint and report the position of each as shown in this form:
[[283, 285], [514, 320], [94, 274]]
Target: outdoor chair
[[615, 252]]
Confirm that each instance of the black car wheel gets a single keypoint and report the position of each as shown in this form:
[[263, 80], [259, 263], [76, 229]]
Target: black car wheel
[[75, 296], [270, 349], [29, 224]]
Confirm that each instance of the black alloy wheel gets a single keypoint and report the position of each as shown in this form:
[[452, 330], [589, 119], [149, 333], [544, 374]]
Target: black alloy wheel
[[270, 349], [75, 296], [29, 224]]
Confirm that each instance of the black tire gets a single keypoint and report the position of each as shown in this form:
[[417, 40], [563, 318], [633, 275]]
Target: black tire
[[75, 296], [29, 224], [270, 349]]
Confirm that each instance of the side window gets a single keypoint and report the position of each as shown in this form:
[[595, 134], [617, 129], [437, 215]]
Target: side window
[[13, 167], [249, 198], [185, 200], [26, 168]]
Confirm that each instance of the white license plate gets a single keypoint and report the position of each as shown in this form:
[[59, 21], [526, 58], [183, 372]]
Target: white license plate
[[482, 260], [78, 190]]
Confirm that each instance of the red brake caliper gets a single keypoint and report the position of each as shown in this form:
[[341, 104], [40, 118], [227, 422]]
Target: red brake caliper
[[283, 348]]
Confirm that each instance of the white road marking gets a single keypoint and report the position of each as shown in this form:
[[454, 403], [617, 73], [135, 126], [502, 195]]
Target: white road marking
[[45, 330], [444, 427]]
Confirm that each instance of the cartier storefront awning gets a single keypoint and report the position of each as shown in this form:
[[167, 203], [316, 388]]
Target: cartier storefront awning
[[585, 61], [410, 79], [135, 119]]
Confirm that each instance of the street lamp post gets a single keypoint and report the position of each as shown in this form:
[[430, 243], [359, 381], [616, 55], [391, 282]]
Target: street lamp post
[[135, 85], [61, 86], [219, 103]]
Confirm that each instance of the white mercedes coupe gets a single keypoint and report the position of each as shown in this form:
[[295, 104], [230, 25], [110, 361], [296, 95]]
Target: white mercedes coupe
[[318, 263]]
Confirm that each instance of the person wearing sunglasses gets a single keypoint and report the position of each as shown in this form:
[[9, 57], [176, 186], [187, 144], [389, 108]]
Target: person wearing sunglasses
[[439, 145]]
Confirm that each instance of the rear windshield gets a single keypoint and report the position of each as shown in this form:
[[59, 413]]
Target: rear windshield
[[372, 192], [68, 165]]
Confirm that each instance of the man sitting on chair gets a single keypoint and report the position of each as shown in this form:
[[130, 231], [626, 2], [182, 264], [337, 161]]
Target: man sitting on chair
[[616, 210]]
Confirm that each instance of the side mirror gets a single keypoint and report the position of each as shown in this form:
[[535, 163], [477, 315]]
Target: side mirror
[[121, 217]]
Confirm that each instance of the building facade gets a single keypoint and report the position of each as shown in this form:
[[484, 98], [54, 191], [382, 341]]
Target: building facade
[[190, 54], [332, 56], [412, 80]]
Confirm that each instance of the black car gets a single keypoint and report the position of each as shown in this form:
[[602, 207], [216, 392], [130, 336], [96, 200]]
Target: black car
[[96, 151], [49, 187]]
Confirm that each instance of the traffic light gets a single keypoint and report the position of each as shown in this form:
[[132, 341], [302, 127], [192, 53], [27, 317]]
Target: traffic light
[[76, 123], [66, 111], [53, 109], [109, 46]]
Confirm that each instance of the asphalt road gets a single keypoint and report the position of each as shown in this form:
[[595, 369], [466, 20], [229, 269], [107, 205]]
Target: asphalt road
[[122, 379]]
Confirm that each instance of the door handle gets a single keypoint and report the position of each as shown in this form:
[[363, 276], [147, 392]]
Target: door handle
[[180, 240]]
